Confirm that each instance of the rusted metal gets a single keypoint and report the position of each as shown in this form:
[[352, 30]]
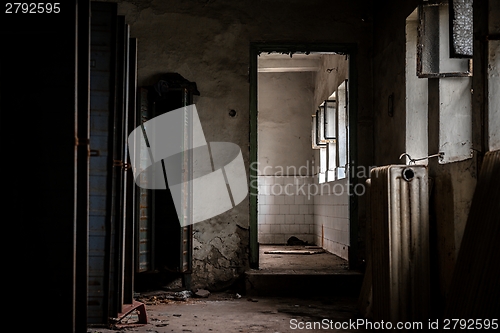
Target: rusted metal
[[127, 309]]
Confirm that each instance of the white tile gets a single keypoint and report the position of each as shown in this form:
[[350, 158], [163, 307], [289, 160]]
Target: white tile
[[293, 209], [311, 209], [284, 209], [279, 200], [290, 199], [263, 209], [271, 219], [285, 228], [266, 239], [303, 209], [304, 229], [332, 211], [299, 199], [289, 219], [278, 180], [295, 229], [261, 219], [345, 225], [264, 229], [299, 219], [269, 238], [279, 239], [274, 209], [261, 199], [308, 238], [309, 219], [269, 199], [279, 219], [275, 228], [275, 189], [260, 238], [264, 190], [269, 180]]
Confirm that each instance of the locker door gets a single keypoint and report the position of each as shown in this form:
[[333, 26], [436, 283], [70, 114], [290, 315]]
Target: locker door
[[119, 171], [102, 85]]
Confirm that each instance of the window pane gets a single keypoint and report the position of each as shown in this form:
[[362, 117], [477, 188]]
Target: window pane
[[461, 28], [330, 119], [433, 48], [342, 137], [314, 136], [320, 126]]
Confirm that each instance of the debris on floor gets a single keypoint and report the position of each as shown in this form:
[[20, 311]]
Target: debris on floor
[[156, 297], [295, 241], [305, 250], [202, 293]]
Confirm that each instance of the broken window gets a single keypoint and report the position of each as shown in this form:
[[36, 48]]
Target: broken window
[[436, 51], [461, 32], [442, 53]]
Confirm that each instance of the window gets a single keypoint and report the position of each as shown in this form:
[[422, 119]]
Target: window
[[443, 58], [330, 134]]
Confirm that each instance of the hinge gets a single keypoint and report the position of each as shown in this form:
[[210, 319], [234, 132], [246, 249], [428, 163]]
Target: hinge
[[118, 163]]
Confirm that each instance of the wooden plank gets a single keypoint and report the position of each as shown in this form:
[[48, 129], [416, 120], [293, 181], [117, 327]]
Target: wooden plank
[[305, 251]]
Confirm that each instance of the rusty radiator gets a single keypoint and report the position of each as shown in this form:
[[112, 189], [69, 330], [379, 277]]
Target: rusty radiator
[[399, 211]]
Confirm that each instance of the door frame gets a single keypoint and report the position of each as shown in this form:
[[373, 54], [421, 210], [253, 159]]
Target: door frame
[[349, 49]]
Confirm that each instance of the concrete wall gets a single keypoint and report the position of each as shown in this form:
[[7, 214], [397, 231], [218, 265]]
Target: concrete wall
[[208, 43], [284, 154], [494, 77]]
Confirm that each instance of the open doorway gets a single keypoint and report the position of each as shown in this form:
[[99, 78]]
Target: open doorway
[[302, 146]]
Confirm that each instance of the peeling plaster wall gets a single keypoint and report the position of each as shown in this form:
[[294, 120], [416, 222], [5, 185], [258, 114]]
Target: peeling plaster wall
[[452, 185], [208, 42], [284, 116]]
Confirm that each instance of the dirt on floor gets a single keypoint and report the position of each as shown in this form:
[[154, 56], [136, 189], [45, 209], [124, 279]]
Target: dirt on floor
[[231, 312], [183, 311]]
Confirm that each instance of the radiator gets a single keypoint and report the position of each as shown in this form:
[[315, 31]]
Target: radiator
[[399, 214]]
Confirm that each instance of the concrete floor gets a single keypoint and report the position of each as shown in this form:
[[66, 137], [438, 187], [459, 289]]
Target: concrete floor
[[299, 263], [231, 312]]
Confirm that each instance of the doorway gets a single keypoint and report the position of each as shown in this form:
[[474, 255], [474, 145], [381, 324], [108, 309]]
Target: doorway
[[295, 180]]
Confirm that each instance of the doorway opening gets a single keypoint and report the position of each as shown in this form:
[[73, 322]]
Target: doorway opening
[[303, 144]]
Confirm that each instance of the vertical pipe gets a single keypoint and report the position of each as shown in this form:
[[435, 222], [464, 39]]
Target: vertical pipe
[[404, 260], [254, 245]]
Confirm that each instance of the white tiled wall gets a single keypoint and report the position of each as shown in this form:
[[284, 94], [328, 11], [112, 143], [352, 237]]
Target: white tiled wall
[[331, 217], [285, 209]]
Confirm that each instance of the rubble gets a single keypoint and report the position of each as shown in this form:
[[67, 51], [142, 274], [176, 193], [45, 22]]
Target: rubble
[[202, 293]]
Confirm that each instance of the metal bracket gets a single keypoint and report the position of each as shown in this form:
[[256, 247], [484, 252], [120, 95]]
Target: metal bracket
[[413, 160], [119, 163]]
